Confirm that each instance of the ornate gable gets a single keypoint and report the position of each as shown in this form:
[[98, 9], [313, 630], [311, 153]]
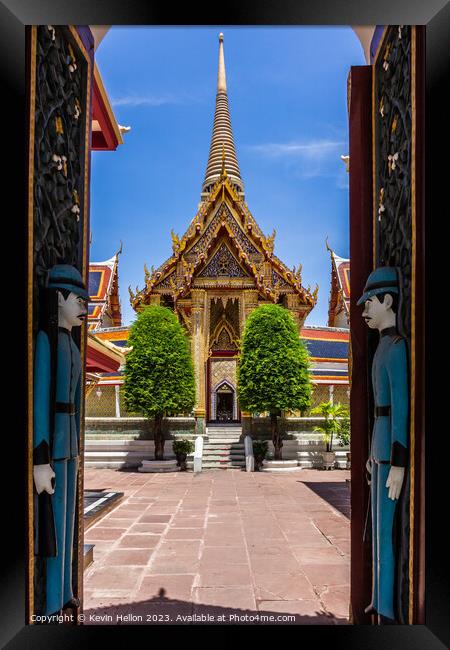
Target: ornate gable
[[223, 216], [223, 264]]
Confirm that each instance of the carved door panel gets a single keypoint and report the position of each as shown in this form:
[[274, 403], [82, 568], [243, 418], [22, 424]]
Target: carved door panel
[[397, 241], [59, 71], [386, 229]]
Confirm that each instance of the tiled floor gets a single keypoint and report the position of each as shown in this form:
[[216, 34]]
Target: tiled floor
[[220, 547]]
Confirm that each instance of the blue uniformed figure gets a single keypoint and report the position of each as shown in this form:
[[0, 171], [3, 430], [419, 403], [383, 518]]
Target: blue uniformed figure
[[57, 391], [388, 453]]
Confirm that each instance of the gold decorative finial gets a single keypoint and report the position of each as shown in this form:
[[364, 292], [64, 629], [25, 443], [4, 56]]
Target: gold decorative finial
[[270, 241], [121, 248], [327, 245], [175, 241], [221, 37]]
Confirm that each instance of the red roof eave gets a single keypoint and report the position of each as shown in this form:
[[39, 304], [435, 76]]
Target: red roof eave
[[109, 137], [96, 361]]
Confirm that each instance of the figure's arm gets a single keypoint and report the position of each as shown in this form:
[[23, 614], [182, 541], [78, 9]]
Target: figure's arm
[[77, 402], [398, 377], [42, 471]]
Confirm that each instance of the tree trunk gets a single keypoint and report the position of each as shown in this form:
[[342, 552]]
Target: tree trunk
[[276, 437], [159, 437]]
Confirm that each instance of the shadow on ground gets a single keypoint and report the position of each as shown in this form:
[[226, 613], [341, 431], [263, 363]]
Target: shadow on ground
[[336, 494], [161, 610]]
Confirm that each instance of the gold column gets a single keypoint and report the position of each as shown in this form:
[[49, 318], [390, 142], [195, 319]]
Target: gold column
[[199, 355], [250, 303], [155, 299], [297, 309]]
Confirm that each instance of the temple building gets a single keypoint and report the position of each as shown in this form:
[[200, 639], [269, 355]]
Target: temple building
[[220, 270], [339, 305]]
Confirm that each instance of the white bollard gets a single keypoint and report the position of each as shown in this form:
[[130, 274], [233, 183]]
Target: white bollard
[[249, 458], [198, 453]]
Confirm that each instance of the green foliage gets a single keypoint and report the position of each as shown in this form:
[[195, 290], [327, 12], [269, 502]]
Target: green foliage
[[343, 433], [183, 447], [260, 448], [332, 425], [273, 371], [159, 373]]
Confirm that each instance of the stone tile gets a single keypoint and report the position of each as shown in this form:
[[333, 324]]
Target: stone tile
[[274, 563], [175, 565], [128, 557], [230, 576], [132, 507], [155, 529], [282, 586], [188, 522], [179, 548], [235, 598], [336, 601], [139, 541], [318, 555], [154, 519], [222, 555], [268, 547], [111, 522], [163, 587], [104, 533], [327, 574], [185, 533], [220, 540], [114, 578]]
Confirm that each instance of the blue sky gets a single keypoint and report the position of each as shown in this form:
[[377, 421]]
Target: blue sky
[[287, 90]]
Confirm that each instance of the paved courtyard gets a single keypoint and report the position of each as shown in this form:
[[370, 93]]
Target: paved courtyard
[[220, 547]]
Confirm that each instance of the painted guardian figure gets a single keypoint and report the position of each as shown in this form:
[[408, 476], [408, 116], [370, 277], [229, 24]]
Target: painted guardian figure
[[57, 390], [389, 445]]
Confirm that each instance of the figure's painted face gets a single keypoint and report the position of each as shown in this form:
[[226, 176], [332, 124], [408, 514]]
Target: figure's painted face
[[375, 311], [73, 310]]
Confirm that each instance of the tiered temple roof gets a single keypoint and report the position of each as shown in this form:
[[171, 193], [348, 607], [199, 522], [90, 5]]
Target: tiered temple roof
[[104, 304], [339, 304]]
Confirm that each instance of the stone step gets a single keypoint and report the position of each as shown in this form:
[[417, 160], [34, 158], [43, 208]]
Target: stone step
[[223, 441], [223, 445], [224, 455], [218, 464]]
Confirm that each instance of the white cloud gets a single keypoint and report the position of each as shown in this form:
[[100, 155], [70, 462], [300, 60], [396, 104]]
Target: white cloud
[[316, 158], [314, 149], [149, 100]]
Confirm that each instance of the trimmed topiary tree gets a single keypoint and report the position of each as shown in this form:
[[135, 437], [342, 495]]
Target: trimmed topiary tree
[[273, 370], [159, 373]]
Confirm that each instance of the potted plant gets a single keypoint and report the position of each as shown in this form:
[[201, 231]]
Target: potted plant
[[330, 412], [343, 435], [260, 448], [181, 449]]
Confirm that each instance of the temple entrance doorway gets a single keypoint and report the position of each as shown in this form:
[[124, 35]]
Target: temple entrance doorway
[[221, 394], [225, 403]]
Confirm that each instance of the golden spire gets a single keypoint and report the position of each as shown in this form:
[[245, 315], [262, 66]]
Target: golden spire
[[222, 136]]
